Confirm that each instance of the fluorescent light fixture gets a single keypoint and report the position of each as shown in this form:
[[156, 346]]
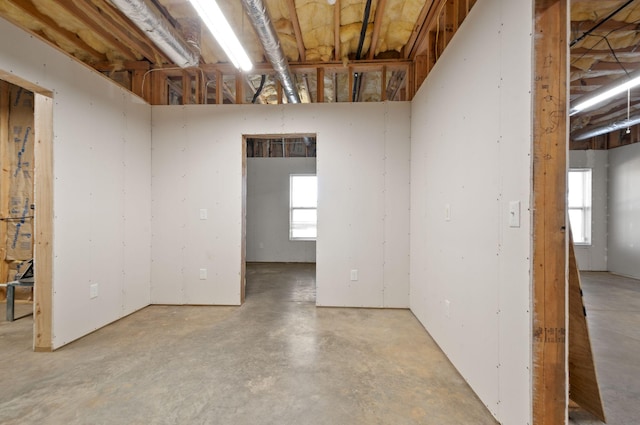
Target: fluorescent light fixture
[[213, 18], [606, 93]]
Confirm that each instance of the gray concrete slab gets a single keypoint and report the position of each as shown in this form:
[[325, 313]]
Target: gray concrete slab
[[276, 360]]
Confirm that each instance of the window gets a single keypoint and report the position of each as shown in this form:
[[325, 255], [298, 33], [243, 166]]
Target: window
[[579, 183], [303, 211]]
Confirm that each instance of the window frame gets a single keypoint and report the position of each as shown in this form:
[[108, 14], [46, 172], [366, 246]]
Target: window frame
[[293, 208], [586, 206]]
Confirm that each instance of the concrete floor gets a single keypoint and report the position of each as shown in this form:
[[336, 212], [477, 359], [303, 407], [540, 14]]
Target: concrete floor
[[276, 360], [613, 314]]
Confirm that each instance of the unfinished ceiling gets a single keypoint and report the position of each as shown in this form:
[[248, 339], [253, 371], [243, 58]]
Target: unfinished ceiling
[[604, 48], [320, 39]]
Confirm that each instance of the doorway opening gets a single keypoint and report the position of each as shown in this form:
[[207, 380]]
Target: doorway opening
[[280, 215], [26, 204]]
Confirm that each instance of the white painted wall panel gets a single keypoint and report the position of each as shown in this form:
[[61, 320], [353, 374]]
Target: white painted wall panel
[[397, 148], [100, 131], [594, 257], [203, 160], [470, 156], [624, 211], [268, 182]]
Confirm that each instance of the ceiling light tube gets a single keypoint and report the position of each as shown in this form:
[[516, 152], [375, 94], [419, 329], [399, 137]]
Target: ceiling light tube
[[213, 18], [605, 93]]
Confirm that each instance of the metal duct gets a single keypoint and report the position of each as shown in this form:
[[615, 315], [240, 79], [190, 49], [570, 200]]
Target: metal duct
[[608, 128], [159, 30], [257, 12]]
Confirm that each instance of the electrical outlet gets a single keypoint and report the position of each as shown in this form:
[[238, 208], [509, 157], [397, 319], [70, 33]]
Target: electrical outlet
[[204, 214], [93, 290], [354, 274], [203, 274]]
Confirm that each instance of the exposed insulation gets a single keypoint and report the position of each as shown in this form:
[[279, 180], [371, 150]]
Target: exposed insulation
[[19, 238]]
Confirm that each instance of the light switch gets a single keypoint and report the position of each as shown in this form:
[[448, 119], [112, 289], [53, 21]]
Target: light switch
[[203, 214], [447, 212], [203, 274], [354, 274], [514, 214]]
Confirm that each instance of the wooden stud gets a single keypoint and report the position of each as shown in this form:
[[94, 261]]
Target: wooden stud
[[239, 89], [293, 17], [4, 180], [418, 33], [549, 264], [219, 89], [336, 31], [186, 88], [320, 85], [421, 70], [159, 88], [243, 248], [350, 92], [377, 24], [43, 305], [279, 91], [383, 84]]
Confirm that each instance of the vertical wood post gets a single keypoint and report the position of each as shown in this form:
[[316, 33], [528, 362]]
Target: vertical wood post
[[43, 309], [549, 213], [4, 180]]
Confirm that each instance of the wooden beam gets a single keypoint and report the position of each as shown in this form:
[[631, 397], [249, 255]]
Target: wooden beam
[[118, 32], [4, 180], [219, 90], [186, 88], [418, 31], [336, 31], [239, 89], [383, 84], [28, 8], [159, 87], [550, 112], [320, 85], [43, 305], [377, 24], [421, 70], [293, 15]]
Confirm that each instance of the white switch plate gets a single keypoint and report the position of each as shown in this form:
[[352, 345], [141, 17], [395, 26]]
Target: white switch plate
[[447, 308], [447, 212], [354, 274], [203, 214], [93, 290], [203, 274], [514, 214]]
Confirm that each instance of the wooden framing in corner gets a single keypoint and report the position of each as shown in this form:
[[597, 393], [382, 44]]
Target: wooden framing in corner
[[4, 180], [43, 289], [549, 265]]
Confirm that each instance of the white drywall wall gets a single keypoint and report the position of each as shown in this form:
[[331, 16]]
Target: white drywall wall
[[624, 211], [470, 157], [363, 178], [102, 196], [268, 210], [594, 256]]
